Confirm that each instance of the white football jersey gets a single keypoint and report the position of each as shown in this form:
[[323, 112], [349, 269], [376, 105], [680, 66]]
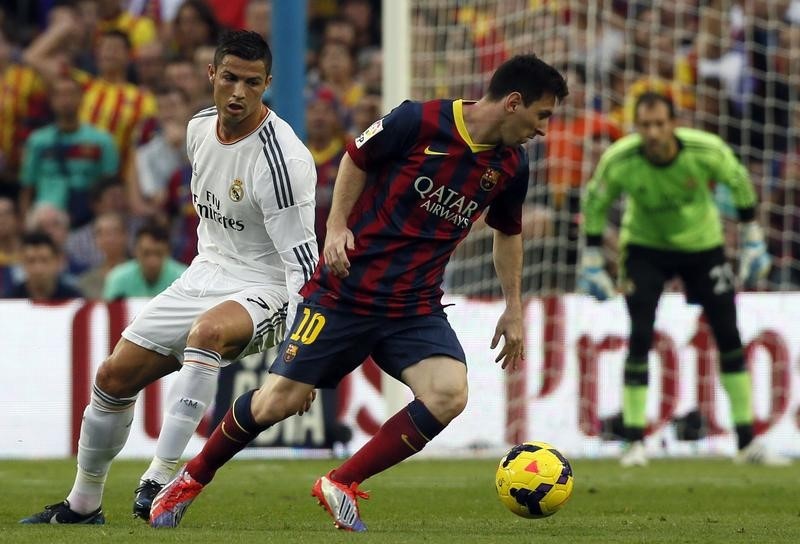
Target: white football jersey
[[255, 200]]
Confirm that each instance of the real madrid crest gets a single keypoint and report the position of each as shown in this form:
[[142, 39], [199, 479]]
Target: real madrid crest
[[489, 179], [236, 192]]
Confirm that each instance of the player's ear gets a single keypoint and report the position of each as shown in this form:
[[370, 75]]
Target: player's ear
[[513, 101], [211, 73], [268, 82]]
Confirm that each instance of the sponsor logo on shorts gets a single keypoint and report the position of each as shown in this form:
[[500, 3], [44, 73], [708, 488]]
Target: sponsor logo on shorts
[[291, 352]]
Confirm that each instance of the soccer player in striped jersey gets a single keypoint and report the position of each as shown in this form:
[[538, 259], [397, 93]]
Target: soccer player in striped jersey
[[408, 190], [671, 227], [253, 189]]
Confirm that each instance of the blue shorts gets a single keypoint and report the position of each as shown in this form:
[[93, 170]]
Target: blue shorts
[[325, 345]]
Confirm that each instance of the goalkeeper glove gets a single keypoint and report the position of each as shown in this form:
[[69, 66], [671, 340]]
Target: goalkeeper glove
[[592, 276], [754, 262]]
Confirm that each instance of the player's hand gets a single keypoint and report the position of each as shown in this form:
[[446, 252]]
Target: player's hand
[[592, 276], [754, 262], [307, 404], [509, 326], [337, 242]]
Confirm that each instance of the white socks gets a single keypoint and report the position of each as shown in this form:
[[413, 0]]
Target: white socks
[[189, 397], [104, 431]]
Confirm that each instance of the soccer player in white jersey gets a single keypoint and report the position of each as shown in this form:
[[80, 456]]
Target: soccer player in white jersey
[[253, 188]]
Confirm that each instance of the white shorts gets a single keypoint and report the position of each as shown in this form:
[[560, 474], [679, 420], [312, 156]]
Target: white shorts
[[163, 324]]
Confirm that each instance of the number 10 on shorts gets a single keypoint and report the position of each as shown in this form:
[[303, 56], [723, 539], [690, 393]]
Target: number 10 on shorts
[[309, 328]]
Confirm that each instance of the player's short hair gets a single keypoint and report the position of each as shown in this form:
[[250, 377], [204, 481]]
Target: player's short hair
[[244, 44], [650, 99], [530, 76], [36, 238], [154, 230]]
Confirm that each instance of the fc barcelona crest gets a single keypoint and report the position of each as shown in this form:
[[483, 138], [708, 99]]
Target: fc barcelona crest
[[236, 192], [291, 352], [489, 179]]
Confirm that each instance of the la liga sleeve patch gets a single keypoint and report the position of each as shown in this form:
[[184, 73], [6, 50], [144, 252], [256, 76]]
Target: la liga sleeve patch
[[371, 131]]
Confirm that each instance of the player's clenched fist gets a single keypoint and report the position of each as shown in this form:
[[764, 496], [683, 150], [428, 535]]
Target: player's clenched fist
[[337, 242]]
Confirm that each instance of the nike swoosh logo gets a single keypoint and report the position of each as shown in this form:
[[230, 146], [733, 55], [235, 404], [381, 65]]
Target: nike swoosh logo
[[429, 151]]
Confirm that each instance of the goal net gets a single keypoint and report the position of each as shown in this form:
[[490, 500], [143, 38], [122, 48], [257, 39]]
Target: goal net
[[732, 68]]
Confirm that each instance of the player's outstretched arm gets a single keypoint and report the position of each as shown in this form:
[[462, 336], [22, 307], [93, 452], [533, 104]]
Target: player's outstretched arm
[[507, 251], [349, 185]]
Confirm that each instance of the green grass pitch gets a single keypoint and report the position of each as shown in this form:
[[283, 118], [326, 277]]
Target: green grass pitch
[[432, 501]]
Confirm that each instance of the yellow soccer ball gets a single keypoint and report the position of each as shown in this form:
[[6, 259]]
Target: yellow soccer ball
[[534, 480]]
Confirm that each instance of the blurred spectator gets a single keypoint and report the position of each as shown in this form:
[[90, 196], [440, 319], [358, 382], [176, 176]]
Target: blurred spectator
[[258, 17], [229, 13], [55, 223], [107, 196], [149, 272], [192, 79], [764, 108], [576, 138], [339, 29], [42, 262], [9, 245], [370, 70], [154, 162], [179, 208], [595, 35], [23, 108], [659, 66], [139, 29], [111, 235], [367, 110], [62, 161], [363, 17], [325, 139], [194, 25], [160, 11], [575, 129], [337, 67], [109, 101], [149, 66]]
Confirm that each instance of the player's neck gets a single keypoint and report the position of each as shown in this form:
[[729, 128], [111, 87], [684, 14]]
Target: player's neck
[[482, 121], [670, 153], [229, 133]]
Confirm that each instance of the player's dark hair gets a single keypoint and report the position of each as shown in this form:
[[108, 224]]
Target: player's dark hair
[[154, 230], [40, 238], [244, 44], [530, 76], [650, 99], [120, 35]]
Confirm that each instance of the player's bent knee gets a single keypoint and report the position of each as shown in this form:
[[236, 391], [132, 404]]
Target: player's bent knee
[[207, 334], [447, 400], [111, 380]]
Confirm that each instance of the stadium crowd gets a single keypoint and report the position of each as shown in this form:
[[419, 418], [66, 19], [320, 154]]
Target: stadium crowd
[[95, 96]]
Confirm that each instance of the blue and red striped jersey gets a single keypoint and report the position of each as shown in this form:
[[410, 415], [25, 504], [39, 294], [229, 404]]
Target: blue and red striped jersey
[[427, 183]]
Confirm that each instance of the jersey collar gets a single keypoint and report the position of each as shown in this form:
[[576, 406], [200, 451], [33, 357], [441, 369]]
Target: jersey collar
[[461, 126]]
